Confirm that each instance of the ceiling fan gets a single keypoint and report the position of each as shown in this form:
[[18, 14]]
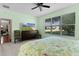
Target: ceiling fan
[[40, 5]]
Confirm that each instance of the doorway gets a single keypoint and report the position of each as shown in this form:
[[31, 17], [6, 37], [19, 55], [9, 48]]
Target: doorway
[[5, 30]]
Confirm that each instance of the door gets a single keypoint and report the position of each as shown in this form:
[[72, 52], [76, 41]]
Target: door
[[5, 30]]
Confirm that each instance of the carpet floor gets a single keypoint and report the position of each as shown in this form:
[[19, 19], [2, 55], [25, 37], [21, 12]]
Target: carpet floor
[[10, 49]]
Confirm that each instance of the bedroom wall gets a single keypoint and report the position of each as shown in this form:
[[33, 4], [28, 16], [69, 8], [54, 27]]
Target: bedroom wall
[[16, 18], [70, 9]]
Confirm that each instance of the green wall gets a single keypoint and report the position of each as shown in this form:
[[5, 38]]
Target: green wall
[[16, 18], [67, 10]]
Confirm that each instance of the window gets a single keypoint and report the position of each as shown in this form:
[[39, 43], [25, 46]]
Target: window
[[68, 24], [61, 25], [48, 25], [68, 30], [56, 25]]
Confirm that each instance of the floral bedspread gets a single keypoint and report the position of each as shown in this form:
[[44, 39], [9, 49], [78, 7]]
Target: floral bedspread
[[51, 46]]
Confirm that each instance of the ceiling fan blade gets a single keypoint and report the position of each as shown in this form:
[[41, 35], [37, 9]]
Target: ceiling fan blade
[[5, 6], [39, 3], [40, 8], [35, 3], [46, 6], [34, 7]]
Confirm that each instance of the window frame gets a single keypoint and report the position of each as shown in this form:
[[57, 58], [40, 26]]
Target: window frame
[[60, 25]]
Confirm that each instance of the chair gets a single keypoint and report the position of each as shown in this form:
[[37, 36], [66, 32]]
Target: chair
[[17, 35]]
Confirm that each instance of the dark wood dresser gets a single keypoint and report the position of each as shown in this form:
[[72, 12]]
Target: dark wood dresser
[[32, 34]]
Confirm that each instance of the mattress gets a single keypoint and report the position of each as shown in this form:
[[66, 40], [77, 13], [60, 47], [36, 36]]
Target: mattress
[[50, 46]]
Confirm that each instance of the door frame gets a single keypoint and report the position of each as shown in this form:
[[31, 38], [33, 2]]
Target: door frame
[[10, 22]]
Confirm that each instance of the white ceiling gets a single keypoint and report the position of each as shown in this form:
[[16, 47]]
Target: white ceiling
[[25, 8]]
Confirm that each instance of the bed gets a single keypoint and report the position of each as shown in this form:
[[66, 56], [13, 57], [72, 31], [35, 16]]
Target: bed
[[50, 46]]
